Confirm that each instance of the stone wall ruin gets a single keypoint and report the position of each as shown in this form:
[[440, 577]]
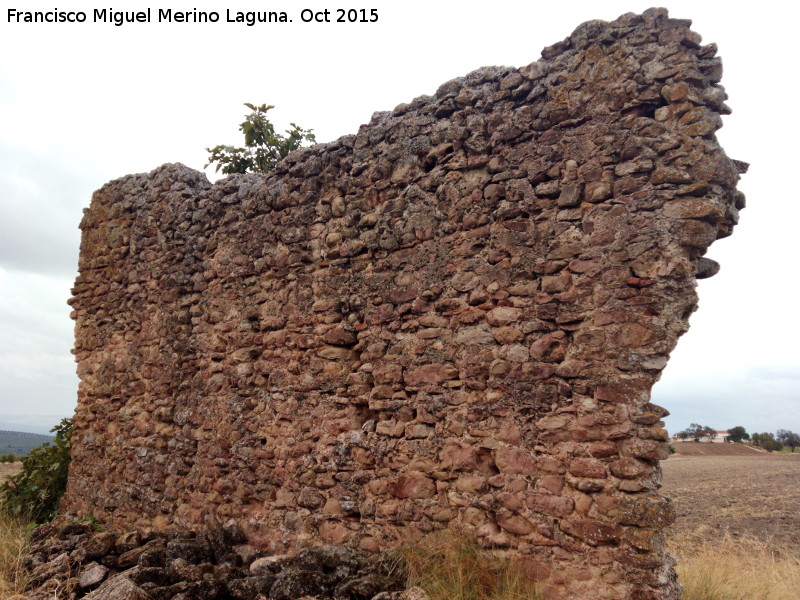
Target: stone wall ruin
[[454, 316]]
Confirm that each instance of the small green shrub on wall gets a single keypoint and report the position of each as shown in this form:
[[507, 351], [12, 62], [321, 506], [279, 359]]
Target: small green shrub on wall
[[34, 492], [264, 147]]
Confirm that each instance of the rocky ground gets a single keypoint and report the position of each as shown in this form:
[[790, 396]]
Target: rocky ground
[[77, 561]]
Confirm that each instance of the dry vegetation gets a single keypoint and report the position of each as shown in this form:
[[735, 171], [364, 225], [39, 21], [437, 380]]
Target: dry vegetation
[[737, 536], [743, 569], [13, 538], [452, 566]]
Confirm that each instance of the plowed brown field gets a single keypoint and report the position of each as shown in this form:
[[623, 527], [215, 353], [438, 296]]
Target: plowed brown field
[[706, 449], [9, 469], [749, 496]]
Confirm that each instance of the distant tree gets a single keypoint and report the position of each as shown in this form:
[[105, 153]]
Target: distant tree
[[738, 434], [693, 431], [263, 146], [684, 435], [788, 438], [708, 432], [697, 432], [766, 441]]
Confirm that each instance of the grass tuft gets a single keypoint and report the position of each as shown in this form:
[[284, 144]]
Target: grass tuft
[[14, 534], [452, 566]]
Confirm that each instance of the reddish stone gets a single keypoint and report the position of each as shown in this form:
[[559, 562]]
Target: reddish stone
[[387, 373], [334, 533], [459, 457], [585, 467], [512, 460], [434, 373], [622, 392], [651, 511], [412, 485], [591, 531], [548, 347], [503, 315], [602, 449], [549, 504], [514, 523], [507, 335], [630, 468], [552, 483]]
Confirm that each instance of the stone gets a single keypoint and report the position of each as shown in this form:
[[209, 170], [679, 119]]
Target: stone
[[131, 557], [119, 587], [58, 566], [591, 531], [127, 541], [92, 576], [247, 588], [629, 468], [434, 373], [158, 575], [270, 564], [507, 335], [367, 586], [514, 523], [570, 195], [193, 551], [478, 334], [511, 460], [293, 584], [100, 545], [584, 467], [503, 315], [412, 485], [549, 504]]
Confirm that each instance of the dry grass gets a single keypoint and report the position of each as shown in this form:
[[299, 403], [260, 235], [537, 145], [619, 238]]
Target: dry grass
[[451, 566], [13, 540], [736, 569], [736, 536]]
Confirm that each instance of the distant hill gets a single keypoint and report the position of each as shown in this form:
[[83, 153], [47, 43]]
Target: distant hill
[[19, 442], [32, 423]]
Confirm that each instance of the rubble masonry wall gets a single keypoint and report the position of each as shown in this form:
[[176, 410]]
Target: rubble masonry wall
[[454, 316]]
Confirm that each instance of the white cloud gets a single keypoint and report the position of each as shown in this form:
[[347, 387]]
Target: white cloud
[[40, 214], [37, 372]]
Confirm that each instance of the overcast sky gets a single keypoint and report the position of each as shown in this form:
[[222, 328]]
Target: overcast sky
[[81, 104]]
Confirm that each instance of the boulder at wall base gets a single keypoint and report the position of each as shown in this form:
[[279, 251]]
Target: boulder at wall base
[[119, 588], [296, 583], [92, 576]]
